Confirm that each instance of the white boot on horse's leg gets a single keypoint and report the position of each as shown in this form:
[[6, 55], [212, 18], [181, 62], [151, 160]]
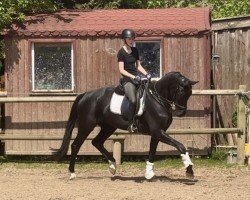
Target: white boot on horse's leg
[[186, 160], [112, 167], [72, 176], [188, 165], [149, 173]]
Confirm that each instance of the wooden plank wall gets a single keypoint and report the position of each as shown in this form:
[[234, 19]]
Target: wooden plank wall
[[50, 118], [189, 56], [231, 41], [232, 44], [96, 66], [96, 63]]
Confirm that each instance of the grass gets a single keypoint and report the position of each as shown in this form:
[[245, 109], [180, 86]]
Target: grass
[[98, 163]]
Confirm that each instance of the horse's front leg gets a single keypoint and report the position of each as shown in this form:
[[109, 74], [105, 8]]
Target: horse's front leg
[[149, 172], [163, 137]]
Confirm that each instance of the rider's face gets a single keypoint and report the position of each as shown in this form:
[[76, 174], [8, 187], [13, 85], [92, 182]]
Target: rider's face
[[130, 41]]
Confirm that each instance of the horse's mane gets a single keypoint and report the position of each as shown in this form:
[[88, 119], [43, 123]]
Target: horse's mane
[[171, 73]]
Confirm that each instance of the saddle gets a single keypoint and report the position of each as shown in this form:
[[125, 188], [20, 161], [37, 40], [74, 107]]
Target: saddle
[[121, 105]]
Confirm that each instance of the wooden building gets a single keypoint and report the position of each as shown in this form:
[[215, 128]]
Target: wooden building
[[70, 52], [231, 44]]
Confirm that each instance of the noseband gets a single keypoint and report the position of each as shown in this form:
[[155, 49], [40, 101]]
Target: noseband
[[162, 100]]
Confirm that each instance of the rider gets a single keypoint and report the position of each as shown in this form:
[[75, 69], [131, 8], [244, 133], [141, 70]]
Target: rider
[[129, 67]]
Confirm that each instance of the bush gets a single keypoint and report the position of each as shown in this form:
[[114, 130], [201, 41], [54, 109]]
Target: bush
[[219, 154]]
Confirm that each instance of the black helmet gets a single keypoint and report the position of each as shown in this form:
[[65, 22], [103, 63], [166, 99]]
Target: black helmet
[[128, 33]]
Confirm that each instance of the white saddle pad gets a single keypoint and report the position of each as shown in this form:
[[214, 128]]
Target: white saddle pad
[[116, 103]]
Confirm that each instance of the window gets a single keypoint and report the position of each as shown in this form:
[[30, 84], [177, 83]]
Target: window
[[52, 67], [150, 56]]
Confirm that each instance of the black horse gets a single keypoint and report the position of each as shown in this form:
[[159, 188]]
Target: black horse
[[93, 108]]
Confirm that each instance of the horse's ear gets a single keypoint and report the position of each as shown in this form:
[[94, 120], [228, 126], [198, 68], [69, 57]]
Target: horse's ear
[[193, 82]]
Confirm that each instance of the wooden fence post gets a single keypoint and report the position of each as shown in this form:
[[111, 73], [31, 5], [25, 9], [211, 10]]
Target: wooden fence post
[[117, 151], [241, 122]]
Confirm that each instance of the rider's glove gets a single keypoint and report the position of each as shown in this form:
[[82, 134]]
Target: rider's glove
[[148, 76], [137, 79]]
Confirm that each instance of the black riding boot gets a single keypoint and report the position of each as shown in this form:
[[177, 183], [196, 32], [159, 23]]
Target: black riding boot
[[132, 125]]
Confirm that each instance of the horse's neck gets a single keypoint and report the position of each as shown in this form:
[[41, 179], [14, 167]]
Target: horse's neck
[[162, 87], [156, 98]]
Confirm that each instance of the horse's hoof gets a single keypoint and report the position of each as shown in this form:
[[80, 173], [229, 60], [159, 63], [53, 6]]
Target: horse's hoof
[[112, 167], [188, 175], [189, 171], [72, 176], [112, 170]]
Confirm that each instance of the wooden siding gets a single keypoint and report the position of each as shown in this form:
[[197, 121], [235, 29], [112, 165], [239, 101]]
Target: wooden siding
[[190, 56], [231, 41], [95, 65], [233, 68]]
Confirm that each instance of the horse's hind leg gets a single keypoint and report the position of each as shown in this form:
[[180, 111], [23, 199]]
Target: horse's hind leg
[[84, 130], [105, 132]]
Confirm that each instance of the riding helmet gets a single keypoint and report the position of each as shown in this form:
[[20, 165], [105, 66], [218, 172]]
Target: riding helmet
[[128, 33]]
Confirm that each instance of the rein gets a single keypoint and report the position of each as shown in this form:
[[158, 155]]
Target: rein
[[162, 100]]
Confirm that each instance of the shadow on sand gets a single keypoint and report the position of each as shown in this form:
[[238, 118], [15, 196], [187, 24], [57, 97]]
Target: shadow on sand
[[141, 179]]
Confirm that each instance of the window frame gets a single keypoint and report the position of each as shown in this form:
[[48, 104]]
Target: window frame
[[148, 40], [32, 64]]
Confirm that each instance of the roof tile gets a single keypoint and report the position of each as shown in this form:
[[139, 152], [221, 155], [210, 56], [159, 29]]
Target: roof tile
[[66, 23]]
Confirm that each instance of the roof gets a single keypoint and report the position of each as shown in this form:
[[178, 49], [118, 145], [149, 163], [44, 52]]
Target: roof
[[156, 22]]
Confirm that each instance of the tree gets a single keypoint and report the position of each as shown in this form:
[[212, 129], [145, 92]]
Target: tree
[[220, 8], [229, 8], [14, 11]]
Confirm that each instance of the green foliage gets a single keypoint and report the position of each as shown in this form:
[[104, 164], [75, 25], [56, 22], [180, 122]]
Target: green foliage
[[97, 4], [186, 3], [234, 119], [220, 8], [126, 4], [218, 160], [229, 8], [143, 4], [133, 4], [15, 11], [156, 4], [220, 155]]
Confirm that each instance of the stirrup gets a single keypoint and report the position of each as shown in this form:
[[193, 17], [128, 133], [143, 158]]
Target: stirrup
[[132, 128]]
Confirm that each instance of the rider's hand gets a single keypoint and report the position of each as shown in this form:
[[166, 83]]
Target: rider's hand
[[148, 76], [137, 79]]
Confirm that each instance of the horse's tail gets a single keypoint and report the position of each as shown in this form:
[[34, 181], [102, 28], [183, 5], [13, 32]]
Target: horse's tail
[[59, 153]]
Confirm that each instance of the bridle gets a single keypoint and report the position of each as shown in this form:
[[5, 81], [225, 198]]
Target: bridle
[[162, 100]]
